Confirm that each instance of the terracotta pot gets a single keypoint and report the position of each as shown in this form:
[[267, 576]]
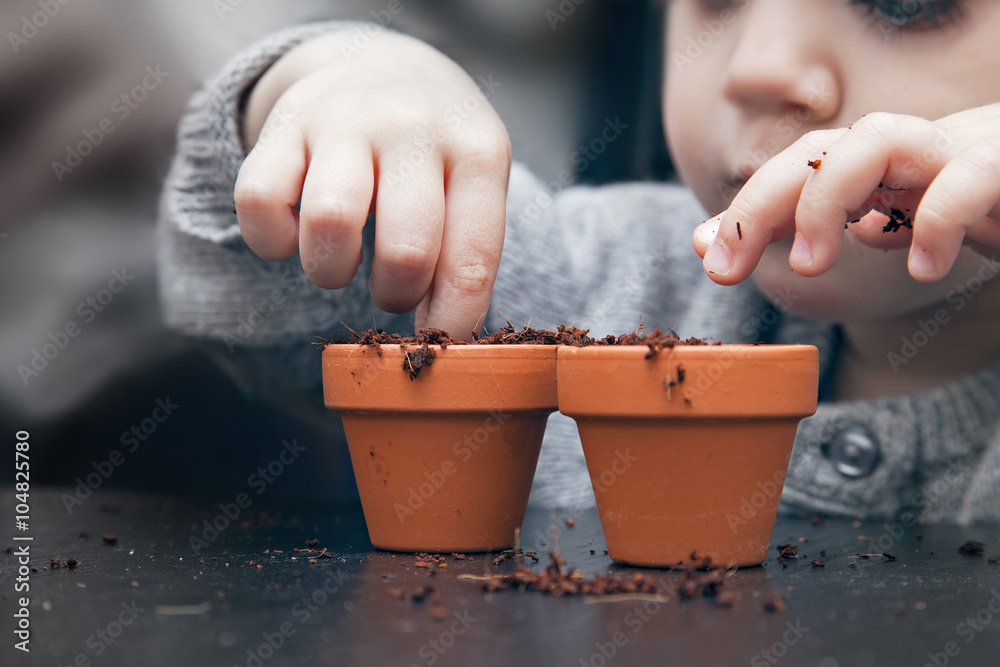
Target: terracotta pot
[[444, 462], [685, 469]]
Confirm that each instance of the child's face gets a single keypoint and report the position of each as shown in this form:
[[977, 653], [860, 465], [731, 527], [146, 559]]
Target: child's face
[[746, 78]]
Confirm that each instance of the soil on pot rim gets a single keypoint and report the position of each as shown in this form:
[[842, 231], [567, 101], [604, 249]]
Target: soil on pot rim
[[416, 360]]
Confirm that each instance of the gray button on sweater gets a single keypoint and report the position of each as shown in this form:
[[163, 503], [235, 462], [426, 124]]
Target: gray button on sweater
[[601, 258]]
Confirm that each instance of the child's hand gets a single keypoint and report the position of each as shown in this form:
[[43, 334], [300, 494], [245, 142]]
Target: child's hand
[[395, 128], [943, 178]]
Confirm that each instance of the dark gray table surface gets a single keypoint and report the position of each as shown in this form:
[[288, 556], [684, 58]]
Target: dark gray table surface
[[150, 599]]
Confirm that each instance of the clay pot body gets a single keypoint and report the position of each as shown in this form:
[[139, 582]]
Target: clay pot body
[[687, 450], [444, 462]]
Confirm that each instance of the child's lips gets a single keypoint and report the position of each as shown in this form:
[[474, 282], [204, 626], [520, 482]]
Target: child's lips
[[740, 175], [737, 179]]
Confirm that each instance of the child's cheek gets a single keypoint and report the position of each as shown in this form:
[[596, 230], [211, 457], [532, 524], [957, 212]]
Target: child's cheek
[[690, 148]]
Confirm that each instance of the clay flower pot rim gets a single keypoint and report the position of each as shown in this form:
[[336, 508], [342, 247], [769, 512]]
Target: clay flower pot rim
[[460, 378], [463, 348], [688, 381], [694, 350]]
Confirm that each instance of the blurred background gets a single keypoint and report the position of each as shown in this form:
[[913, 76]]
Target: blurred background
[[90, 96]]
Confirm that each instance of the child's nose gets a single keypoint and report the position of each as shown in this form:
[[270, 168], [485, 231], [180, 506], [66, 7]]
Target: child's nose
[[780, 61]]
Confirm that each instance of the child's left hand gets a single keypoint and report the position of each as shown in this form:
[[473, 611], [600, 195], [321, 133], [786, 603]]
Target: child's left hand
[[942, 177]]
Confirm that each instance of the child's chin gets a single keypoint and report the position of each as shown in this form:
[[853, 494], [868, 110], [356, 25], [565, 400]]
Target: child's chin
[[856, 289]]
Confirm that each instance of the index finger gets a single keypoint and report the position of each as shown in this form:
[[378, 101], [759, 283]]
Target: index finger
[[763, 210], [476, 193]]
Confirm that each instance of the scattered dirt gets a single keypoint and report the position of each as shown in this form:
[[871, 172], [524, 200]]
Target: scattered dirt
[[430, 561], [972, 548], [787, 550], [438, 612], [775, 603], [418, 594], [885, 554], [559, 580], [897, 220]]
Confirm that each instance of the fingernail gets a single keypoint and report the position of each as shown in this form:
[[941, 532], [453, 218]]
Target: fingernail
[[707, 230], [921, 263], [717, 260], [801, 254]]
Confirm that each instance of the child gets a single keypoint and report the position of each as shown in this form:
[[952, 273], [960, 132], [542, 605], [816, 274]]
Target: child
[[906, 321]]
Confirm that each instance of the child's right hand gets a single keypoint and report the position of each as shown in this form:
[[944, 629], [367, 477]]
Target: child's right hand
[[395, 128]]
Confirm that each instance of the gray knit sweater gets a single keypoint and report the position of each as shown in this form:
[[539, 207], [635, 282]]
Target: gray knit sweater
[[597, 257]]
